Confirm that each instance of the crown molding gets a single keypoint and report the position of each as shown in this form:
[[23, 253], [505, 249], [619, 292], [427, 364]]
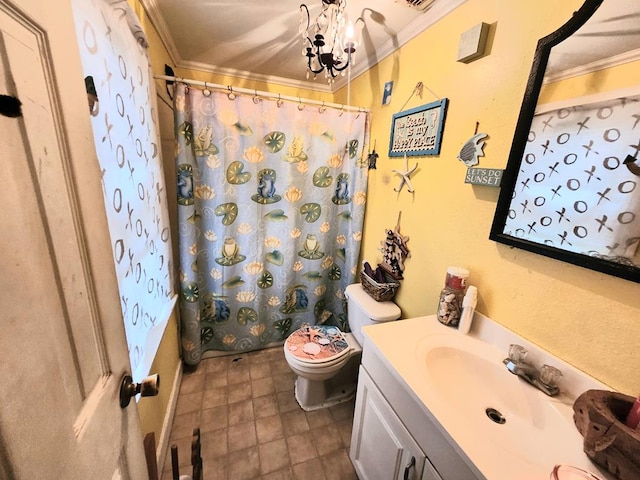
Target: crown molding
[[256, 77], [153, 12], [424, 19], [609, 62]]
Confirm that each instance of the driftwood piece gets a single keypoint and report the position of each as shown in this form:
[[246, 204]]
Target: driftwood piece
[[599, 416]]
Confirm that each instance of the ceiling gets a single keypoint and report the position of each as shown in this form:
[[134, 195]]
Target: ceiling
[[259, 40], [611, 36]]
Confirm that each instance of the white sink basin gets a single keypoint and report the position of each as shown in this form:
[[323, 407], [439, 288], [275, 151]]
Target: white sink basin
[[456, 377], [474, 396]]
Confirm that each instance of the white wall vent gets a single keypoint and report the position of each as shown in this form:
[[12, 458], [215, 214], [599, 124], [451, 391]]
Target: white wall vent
[[419, 4]]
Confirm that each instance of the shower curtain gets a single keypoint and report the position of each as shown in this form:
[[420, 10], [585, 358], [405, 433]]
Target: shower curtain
[[271, 200]]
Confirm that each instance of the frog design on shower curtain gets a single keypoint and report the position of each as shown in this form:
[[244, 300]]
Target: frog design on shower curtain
[[266, 187]]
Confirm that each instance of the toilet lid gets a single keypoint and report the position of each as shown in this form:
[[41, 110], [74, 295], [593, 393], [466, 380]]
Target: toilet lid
[[317, 344]]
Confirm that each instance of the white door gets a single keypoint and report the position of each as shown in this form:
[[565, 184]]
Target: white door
[[62, 345]]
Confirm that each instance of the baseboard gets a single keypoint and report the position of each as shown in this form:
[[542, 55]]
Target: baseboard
[[163, 442]]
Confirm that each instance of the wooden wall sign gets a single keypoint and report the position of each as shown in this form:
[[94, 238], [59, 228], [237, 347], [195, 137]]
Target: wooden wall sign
[[418, 131], [490, 177]]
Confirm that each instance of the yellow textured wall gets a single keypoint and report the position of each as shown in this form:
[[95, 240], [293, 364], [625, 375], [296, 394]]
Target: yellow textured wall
[[589, 319], [152, 410]]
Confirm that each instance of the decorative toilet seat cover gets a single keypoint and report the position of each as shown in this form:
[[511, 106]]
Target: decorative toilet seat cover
[[317, 343]]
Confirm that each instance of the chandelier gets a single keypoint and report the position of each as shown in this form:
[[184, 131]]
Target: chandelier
[[329, 41]]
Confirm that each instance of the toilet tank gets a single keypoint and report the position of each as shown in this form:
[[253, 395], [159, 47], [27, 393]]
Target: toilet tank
[[363, 310]]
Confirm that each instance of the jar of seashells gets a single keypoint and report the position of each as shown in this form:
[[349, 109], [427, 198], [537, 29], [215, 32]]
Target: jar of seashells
[[451, 296]]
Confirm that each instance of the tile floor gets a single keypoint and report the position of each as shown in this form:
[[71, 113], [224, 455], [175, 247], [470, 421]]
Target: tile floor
[[253, 428]]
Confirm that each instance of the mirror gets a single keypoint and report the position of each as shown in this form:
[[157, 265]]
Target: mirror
[[571, 188]]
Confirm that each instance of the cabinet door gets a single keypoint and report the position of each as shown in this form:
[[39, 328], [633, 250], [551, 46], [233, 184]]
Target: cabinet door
[[381, 447]]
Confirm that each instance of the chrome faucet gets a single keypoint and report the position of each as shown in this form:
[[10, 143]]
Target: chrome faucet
[[545, 379]]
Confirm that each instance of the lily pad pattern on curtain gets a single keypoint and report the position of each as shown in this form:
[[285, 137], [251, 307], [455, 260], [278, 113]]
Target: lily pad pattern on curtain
[[271, 200]]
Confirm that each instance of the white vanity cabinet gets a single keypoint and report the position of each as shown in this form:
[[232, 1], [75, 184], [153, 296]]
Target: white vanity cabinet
[[393, 436], [381, 447]]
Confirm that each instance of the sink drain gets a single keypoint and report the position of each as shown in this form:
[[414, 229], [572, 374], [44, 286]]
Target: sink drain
[[495, 415]]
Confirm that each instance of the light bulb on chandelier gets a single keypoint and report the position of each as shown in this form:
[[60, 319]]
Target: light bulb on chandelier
[[330, 41]]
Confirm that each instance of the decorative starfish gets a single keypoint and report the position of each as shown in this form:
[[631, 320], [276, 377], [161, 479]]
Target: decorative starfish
[[406, 175]]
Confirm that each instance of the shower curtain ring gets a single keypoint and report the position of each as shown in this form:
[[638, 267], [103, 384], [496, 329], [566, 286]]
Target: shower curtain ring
[[322, 108], [300, 105], [231, 95], [256, 98], [186, 85], [206, 92], [279, 101], [341, 111]]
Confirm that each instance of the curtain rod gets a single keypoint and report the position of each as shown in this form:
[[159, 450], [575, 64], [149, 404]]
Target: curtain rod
[[259, 93]]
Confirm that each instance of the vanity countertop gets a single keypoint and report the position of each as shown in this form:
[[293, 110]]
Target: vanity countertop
[[539, 431]]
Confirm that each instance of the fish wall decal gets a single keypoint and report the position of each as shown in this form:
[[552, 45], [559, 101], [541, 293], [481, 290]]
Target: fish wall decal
[[472, 149]]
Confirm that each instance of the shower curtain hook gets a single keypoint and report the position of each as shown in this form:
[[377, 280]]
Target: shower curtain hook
[[279, 101], [231, 95], [300, 105], [256, 98], [322, 108], [182, 81], [206, 92], [341, 111], [359, 112]]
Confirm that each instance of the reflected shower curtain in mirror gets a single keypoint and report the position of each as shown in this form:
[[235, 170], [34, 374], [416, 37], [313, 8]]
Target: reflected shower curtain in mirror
[[271, 200]]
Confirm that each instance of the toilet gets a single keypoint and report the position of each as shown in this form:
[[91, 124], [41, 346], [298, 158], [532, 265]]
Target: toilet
[[325, 359]]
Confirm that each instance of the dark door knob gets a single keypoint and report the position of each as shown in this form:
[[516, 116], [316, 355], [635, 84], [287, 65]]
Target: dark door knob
[[149, 387]]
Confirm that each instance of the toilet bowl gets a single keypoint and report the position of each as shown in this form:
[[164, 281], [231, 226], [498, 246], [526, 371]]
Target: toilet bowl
[[325, 359]]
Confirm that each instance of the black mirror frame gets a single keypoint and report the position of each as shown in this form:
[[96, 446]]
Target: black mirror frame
[[518, 146]]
